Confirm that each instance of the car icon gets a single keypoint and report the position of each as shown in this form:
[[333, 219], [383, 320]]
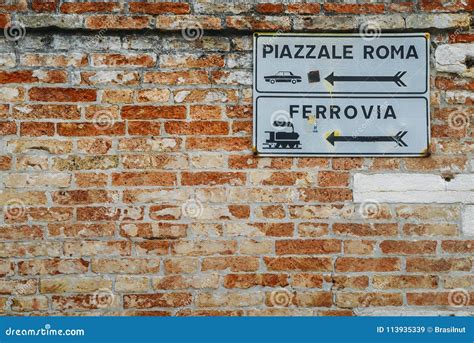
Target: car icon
[[283, 76]]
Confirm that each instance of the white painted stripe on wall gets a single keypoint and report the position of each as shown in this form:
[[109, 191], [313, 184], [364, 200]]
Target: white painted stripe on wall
[[413, 188], [468, 221]]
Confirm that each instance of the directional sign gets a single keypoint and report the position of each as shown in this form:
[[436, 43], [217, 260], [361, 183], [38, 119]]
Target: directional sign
[[341, 95]]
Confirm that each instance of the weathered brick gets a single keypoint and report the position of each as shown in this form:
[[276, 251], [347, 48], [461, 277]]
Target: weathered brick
[[46, 112], [89, 7], [298, 263], [307, 246], [144, 179], [153, 112], [62, 94], [359, 299], [44, 5], [355, 264], [157, 300], [159, 8], [430, 265], [233, 263], [121, 22], [408, 248], [212, 178], [404, 281], [52, 266], [197, 128], [354, 8]]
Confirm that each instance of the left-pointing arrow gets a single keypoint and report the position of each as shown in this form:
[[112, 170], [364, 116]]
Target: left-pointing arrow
[[397, 78], [398, 138]]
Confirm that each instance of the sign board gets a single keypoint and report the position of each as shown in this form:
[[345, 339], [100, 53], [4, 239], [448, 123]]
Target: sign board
[[341, 95]]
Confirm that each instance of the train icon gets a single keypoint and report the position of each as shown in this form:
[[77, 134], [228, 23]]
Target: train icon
[[281, 139]]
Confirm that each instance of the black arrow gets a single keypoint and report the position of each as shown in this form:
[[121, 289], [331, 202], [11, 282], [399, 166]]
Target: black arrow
[[398, 138], [397, 79]]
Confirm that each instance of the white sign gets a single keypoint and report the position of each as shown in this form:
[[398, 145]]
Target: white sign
[[341, 95]]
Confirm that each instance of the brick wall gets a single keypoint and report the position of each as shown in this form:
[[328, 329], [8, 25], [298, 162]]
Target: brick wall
[[128, 185]]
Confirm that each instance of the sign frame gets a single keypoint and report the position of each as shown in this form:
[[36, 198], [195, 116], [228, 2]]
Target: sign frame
[[335, 95]]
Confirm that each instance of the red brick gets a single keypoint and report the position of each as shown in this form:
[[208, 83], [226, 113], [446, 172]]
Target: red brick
[[7, 128], [82, 197], [319, 264], [461, 38], [212, 178], [153, 112], [354, 8], [62, 94], [233, 263], [159, 8], [89, 129], [46, 112], [365, 230], [458, 247], [446, 83], [404, 281], [157, 300], [36, 129], [446, 5], [89, 7], [253, 280], [307, 246], [354, 264], [197, 128], [4, 20], [304, 8], [270, 8], [347, 163], [402, 7], [118, 60], [44, 5], [333, 179], [121, 22], [20, 76], [408, 248], [419, 264], [144, 128], [5, 162], [144, 179]]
